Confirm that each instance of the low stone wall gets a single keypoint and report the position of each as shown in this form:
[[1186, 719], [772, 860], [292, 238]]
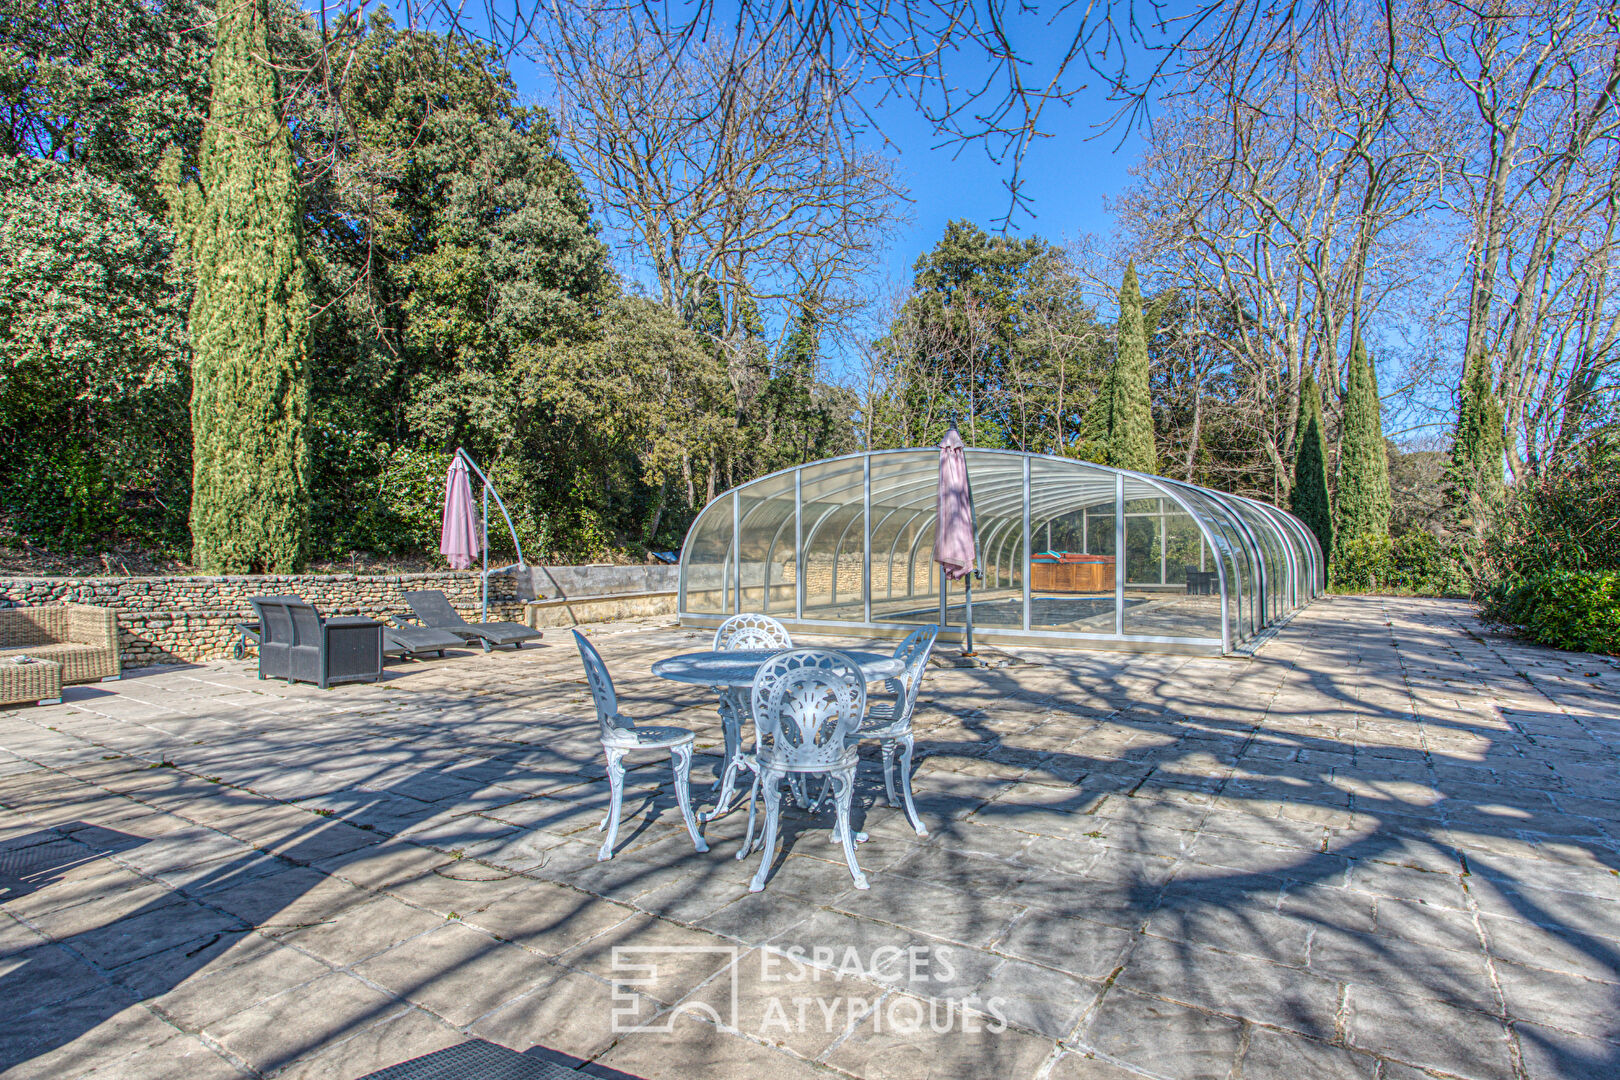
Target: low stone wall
[[167, 620]]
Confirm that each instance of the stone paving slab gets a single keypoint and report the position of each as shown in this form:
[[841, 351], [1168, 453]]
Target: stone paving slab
[[1383, 847]]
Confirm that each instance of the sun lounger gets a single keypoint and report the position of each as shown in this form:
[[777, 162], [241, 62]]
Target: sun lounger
[[406, 639], [433, 609]]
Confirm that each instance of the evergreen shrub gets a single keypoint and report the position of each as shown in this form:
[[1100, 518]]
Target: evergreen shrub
[[1566, 609]]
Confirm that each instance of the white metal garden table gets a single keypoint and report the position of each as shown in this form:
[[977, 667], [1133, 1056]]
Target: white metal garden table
[[731, 675]]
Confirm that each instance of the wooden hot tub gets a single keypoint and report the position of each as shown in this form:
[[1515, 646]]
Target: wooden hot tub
[[1071, 572]]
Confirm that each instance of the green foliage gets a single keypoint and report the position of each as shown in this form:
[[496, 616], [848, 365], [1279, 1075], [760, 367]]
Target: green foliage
[[1552, 555], [1473, 481], [1361, 505], [997, 336], [376, 498], [1130, 413], [1568, 519], [107, 86], [93, 377], [799, 417], [1309, 499], [59, 498], [1566, 609], [249, 316], [1416, 563], [1475, 475], [455, 256]]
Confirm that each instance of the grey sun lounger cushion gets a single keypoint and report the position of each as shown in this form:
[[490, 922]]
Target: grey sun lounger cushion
[[435, 611], [405, 640]]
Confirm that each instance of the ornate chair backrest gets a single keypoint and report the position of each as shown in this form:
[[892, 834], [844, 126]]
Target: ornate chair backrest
[[748, 632], [913, 653], [601, 684], [807, 703]]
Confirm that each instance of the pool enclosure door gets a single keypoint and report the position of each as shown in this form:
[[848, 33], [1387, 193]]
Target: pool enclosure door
[[1069, 552]]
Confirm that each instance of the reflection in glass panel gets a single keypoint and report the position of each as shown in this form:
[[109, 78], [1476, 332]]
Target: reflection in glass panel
[[834, 538], [905, 582], [706, 561], [766, 578], [1186, 602], [1072, 523]]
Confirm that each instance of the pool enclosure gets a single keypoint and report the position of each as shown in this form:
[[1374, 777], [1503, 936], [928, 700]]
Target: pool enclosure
[[1071, 554]]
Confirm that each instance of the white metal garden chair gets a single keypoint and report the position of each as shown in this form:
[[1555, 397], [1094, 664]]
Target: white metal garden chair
[[748, 632], [888, 718], [751, 631], [807, 706], [620, 736]]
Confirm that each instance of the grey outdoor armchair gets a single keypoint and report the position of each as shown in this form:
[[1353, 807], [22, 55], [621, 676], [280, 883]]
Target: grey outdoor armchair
[[433, 609], [298, 645]]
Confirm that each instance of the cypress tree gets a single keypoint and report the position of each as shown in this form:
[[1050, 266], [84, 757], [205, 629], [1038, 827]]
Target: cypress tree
[[1130, 411], [1474, 478], [1310, 496], [1361, 502], [249, 315]]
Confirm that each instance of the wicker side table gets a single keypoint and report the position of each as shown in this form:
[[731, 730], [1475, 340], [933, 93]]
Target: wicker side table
[[39, 682]]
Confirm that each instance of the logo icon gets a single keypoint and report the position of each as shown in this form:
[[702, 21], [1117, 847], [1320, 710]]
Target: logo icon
[[639, 966]]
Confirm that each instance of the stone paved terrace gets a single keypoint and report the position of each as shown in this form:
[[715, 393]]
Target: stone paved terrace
[[1382, 847]]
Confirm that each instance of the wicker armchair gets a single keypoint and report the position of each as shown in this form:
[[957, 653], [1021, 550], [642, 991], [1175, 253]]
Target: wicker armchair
[[83, 639]]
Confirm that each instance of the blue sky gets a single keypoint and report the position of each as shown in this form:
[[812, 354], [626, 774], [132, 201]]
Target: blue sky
[[1066, 177]]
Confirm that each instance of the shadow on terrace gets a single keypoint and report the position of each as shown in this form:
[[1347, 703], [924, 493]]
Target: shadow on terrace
[[1351, 846]]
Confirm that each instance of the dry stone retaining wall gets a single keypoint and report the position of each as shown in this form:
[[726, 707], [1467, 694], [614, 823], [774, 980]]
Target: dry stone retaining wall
[[167, 620]]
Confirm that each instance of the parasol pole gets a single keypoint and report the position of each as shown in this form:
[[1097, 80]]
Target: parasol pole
[[489, 489]]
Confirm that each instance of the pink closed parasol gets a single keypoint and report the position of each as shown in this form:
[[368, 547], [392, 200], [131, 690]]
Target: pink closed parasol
[[955, 546], [459, 540]]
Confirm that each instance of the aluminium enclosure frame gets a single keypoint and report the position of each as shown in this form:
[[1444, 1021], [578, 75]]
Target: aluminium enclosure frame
[[1267, 563]]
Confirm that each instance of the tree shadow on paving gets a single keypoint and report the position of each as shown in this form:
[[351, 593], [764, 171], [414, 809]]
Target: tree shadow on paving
[[130, 917], [375, 773]]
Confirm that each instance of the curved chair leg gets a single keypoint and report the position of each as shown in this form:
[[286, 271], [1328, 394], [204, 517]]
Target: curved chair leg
[[680, 762], [615, 771], [844, 796], [753, 804], [906, 747], [773, 815], [888, 771]]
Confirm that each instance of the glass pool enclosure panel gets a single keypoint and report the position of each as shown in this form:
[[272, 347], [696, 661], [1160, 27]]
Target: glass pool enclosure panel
[[1069, 552]]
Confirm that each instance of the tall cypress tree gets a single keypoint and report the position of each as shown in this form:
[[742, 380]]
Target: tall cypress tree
[[1310, 496], [1474, 477], [1362, 502], [249, 315], [1130, 410]]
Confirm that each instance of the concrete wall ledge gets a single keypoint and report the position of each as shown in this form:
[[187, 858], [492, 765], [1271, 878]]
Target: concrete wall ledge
[[579, 610]]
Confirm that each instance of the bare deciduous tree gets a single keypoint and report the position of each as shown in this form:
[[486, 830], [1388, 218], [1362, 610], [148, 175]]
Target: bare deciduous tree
[[743, 177]]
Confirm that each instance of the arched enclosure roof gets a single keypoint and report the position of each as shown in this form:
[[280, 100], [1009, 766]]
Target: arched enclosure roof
[[1069, 552]]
